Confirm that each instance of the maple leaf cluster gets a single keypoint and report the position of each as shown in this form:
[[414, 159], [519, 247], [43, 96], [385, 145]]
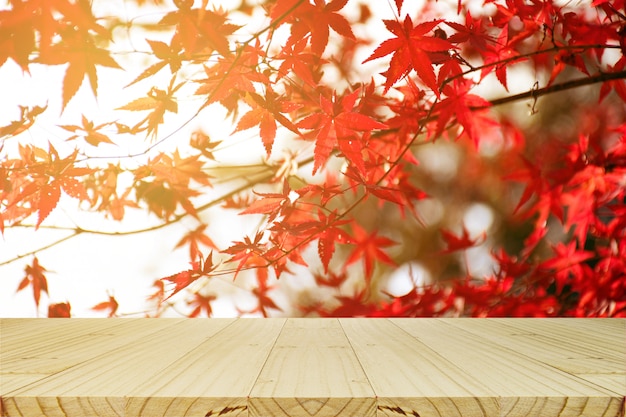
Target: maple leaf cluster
[[375, 153]]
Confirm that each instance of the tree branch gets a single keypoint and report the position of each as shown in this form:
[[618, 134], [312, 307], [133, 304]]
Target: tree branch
[[527, 55], [48, 246], [567, 85]]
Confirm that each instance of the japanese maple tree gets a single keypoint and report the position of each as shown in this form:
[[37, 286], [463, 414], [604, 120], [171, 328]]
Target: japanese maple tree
[[321, 157]]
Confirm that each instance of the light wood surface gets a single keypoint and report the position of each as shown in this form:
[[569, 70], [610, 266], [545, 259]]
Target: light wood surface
[[313, 367]]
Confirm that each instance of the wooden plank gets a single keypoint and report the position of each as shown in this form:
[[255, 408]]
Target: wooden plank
[[596, 348], [576, 348], [525, 386], [20, 337], [30, 352], [615, 382], [37, 350], [411, 379], [606, 335], [214, 378], [312, 371], [564, 350], [99, 386]]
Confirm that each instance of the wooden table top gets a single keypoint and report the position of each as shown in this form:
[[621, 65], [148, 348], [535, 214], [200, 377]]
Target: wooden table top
[[313, 367]]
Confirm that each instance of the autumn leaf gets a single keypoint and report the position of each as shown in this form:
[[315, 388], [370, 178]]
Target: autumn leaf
[[265, 113], [200, 31], [329, 234], [619, 86], [231, 79], [79, 50], [201, 303], [159, 293], [399, 5], [499, 57], [473, 31], [165, 182], [62, 177], [462, 105], [336, 125], [59, 310], [111, 305], [181, 281], [167, 55], [455, 243], [410, 50], [314, 19], [49, 196], [247, 252], [27, 119], [202, 142], [331, 279], [36, 278], [567, 58], [18, 37], [89, 132], [158, 102], [351, 306], [194, 239], [300, 62], [368, 248]]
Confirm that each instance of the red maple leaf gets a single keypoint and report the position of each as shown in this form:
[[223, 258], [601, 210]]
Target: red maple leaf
[[472, 31], [302, 63], [500, 56], [368, 247], [263, 299], [331, 279], [568, 58], [455, 243], [410, 49], [247, 253], [337, 125], [330, 233], [265, 113], [271, 204], [326, 192], [567, 258], [619, 86], [35, 278], [201, 303], [231, 78], [194, 239], [59, 310], [463, 106], [111, 305], [183, 279], [354, 306]]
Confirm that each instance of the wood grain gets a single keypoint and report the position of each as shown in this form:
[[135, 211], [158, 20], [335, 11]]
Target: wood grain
[[312, 371], [525, 386], [313, 367]]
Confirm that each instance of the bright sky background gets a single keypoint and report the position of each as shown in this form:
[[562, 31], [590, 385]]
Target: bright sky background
[[89, 266]]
